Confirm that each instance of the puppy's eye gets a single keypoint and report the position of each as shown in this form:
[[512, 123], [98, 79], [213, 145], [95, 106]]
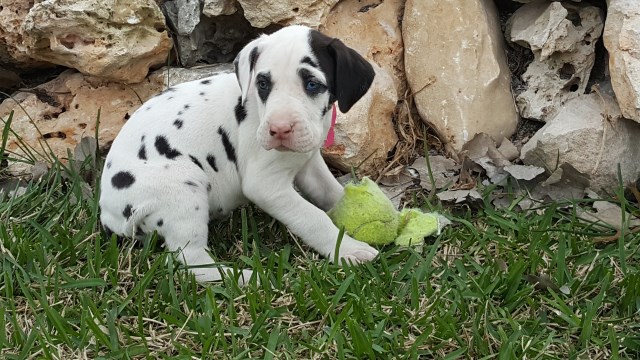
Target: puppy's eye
[[263, 85], [311, 85]]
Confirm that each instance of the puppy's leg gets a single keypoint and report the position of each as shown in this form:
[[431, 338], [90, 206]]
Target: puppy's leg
[[185, 231], [316, 181], [313, 225]]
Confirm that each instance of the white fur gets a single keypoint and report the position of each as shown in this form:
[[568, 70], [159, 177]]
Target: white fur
[[262, 175]]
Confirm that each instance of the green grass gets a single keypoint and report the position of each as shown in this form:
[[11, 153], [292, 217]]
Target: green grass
[[497, 284]]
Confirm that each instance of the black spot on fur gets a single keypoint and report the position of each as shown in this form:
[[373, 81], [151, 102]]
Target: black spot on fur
[[264, 85], [128, 210], [197, 208], [122, 180], [195, 161], [160, 223], [180, 113], [191, 183], [205, 82], [109, 165], [202, 93], [228, 147], [142, 153], [178, 123], [212, 162], [208, 187], [306, 76], [253, 58], [307, 60], [241, 112], [187, 106], [164, 149], [326, 110], [107, 232], [142, 138]]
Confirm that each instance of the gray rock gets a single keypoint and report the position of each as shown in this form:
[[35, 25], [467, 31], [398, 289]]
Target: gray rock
[[188, 16], [590, 135], [212, 39], [622, 41], [219, 7], [562, 38], [170, 76]]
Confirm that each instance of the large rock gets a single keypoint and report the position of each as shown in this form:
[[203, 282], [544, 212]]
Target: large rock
[[8, 79], [66, 108], [366, 131], [373, 29], [219, 7], [590, 136], [204, 39], [563, 40], [622, 40], [12, 51], [456, 67], [117, 40], [262, 13]]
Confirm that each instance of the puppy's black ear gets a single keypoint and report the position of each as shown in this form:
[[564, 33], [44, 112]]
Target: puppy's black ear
[[349, 75]]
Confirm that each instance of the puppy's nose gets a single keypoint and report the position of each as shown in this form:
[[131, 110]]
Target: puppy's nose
[[281, 130]]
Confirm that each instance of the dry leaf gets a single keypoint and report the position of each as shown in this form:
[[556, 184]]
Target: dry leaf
[[524, 172], [459, 195], [444, 171]]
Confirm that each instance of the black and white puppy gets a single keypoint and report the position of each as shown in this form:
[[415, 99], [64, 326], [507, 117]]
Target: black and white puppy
[[203, 148]]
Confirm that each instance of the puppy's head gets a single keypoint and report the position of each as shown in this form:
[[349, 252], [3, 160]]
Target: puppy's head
[[293, 77]]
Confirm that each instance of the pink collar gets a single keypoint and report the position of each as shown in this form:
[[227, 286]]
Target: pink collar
[[330, 135]]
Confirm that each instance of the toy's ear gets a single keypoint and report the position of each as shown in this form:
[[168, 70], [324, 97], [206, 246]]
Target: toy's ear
[[245, 63], [349, 75]]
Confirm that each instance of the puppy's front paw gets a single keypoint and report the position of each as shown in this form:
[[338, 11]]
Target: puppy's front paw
[[355, 252]]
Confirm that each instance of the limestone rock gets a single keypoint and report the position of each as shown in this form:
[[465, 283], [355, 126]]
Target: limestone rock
[[580, 136], [622, 40], [169, 76], [212, 40], [563, 39], [66, 108], [189, 16], [12, 52], [457, 69], [367, 128], [373, 29], [118, 42], [219, 7], [262, 13]]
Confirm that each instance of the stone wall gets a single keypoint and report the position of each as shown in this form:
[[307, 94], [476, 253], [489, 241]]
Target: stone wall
[[470, 66]]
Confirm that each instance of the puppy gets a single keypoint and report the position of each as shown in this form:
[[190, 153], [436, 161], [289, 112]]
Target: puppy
[[200, 149]]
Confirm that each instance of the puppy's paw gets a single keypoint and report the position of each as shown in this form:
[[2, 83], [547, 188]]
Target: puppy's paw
[[244, 277], [355, 252], [205, 275]]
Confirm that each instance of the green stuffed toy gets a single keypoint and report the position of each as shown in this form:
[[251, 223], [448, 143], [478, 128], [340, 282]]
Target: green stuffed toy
[[368, 215]]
